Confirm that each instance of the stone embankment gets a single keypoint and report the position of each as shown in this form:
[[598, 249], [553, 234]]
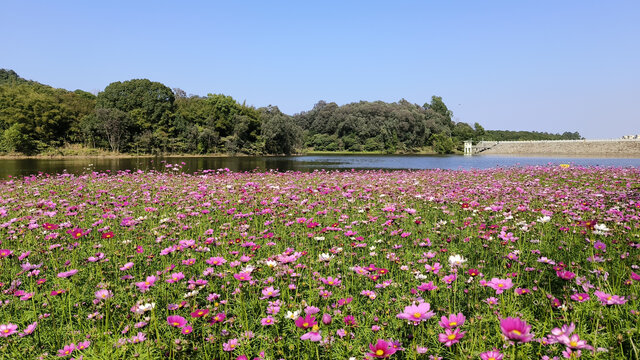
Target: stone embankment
[[608, 148]]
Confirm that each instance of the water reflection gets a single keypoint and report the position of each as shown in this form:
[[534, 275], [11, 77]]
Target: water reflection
[[21, 167]]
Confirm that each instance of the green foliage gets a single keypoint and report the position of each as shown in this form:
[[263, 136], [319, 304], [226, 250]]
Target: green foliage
[[507, 135], [281, 134], [442, 144], [147, 117]]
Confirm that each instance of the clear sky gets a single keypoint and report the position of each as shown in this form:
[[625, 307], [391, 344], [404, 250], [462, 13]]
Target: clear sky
[[519, 65]]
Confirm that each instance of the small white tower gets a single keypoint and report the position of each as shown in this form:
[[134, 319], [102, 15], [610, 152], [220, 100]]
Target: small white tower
[[468, 147]]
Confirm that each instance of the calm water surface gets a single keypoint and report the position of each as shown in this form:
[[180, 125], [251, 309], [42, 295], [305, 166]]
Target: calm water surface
[[21, 167]]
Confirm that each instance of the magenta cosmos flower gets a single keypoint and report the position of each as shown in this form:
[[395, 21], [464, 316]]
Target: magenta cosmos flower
[[452, 321], [382, 349], [306, 322], [176, 321], [417, 313], [451, 337], [200, 313], [516, 329], [8, 329]]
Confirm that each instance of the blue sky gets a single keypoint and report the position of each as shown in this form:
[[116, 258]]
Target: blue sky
[[519, 65]]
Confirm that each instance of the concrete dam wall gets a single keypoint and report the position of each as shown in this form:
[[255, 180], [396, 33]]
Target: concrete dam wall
[[609, 148]]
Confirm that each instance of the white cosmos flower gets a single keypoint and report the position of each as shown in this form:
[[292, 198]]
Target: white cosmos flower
[[544, 219], [456, 260], [292, 315], [325, 257]]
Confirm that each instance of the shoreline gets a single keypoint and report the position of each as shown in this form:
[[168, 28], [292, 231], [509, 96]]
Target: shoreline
[[603, 155]]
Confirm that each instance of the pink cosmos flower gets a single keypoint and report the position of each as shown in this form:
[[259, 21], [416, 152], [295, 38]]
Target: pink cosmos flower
[[312, 335], [269, 320], [83, 345], [219, 317], [269, 292], [565, 274], [66, 350], [28, 330], [581, 297], [8, 329], [176, 321], [126, 266], [608, 299], [417, 313], [186, 330], [243, 276], [435, 268], [500, 285], [216, 261], [103, 294], [516, 329], [5, 253], [427, 286], [491, 355], [451, 337], [452, 321], [382, 349], [175, 277], [66, 274], [331, 281], [145, 285], [230, 345]]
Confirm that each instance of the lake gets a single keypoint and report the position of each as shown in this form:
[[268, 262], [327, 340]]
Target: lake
[[21, 167]]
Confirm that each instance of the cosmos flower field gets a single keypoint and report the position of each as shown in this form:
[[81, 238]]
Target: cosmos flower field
[[510, 263]]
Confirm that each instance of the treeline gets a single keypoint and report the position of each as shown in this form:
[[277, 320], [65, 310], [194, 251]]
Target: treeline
[[506, 135], [145, 117]]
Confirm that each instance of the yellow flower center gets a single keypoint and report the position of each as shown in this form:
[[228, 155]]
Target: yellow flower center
[[315, 328], [573, 343], [609, 298], [379, 352], [270, 293], [579, 297], [500, 285], [516, 332], [453, 323], [330, 282], [305, 324], [175, 323], [417, 315], [5, 331], [451, 337]]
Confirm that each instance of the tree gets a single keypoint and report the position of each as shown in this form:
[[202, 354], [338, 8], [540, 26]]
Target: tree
[[115, 124], [153, 101], [281, 135], [442, 144], [438, 106]]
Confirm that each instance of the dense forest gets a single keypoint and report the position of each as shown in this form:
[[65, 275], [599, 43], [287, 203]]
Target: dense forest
[[145, 117]]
